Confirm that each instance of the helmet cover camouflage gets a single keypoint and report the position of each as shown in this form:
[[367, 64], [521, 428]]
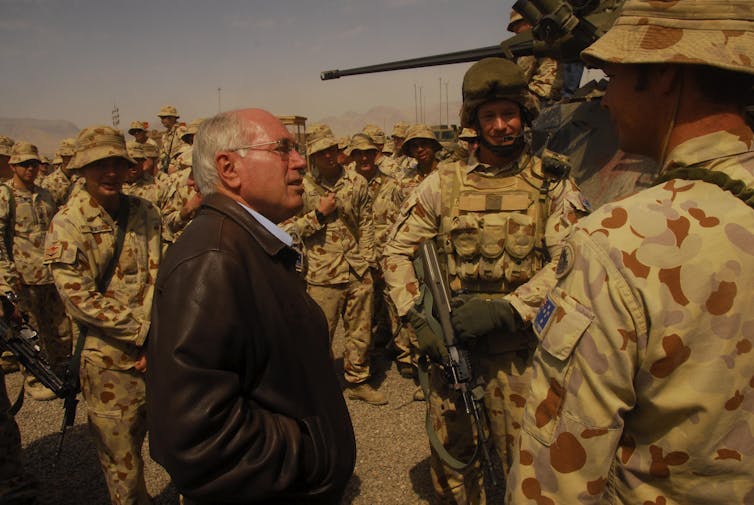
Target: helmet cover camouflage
[[718, 33]]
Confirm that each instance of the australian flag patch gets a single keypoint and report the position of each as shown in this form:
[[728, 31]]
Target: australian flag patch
[[546, 310]]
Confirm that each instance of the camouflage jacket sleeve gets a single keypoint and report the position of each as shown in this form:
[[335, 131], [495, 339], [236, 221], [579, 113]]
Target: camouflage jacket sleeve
[[582, 383], [75, 269], [10, 278], [305, 224], [566, 207], [418, 221]]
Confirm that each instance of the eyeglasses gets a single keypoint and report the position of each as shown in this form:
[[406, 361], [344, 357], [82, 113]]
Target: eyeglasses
[[284, 148]]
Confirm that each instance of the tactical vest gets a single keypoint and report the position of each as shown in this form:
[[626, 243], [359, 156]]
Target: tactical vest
[[492, 227]]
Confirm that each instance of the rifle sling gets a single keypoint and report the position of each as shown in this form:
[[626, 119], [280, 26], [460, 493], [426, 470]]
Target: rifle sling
[[102, 284]]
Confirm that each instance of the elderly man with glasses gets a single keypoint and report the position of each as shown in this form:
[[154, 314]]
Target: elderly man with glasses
[[244, 405]]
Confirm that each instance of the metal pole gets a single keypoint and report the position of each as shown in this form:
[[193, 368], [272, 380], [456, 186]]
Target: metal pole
[[219, 103]]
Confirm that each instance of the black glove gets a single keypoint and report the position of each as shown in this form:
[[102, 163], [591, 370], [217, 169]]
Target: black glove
[[477, 317], [430, 343]]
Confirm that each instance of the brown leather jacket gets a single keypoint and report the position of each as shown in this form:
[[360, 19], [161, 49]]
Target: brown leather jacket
[[243, 402]]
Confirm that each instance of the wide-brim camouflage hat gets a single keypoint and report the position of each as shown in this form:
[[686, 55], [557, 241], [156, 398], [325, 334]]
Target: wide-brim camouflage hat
[[193, 126], [515, 18], [57, 160], [389, 147], [168, 111], [718, 33], [374, 131], [23, 151], [6, 144], [98, 143], [468, 134], [67, 147], [361, 142], [419, 131], [399, 129], [317, 130], [137, 126], [135, 150], [321, 143]]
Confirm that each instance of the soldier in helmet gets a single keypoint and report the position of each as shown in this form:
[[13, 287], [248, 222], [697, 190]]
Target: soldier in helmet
[[497, 218], [642, 384]]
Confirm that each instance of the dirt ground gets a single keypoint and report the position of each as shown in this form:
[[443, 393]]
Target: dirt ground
[[392, 466]]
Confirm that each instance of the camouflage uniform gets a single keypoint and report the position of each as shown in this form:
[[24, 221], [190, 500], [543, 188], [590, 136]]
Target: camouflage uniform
[[642, 385], [58, 182], [339, 254], [24, 272], [177, 193], [79, 246], [543, 76], [502, 360]]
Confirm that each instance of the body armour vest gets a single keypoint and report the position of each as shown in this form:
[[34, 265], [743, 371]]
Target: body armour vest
[[492, 226]]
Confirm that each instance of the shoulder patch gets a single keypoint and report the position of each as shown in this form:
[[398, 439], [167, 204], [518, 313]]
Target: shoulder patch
[[565, 262], [59, 253], [544, 314]]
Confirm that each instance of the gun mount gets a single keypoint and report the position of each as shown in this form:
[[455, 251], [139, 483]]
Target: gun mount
[[561, 29]]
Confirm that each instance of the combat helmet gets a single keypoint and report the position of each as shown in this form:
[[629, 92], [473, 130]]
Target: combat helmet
[[495, 79], [696, 32]]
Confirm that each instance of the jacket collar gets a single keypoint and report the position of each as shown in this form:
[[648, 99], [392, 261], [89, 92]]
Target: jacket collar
[[230, 208]]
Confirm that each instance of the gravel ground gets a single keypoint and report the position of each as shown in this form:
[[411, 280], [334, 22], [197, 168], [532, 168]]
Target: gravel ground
[[392, 466]]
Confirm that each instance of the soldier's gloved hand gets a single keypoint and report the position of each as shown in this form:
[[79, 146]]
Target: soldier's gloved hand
[[476, 317], [430, 343]]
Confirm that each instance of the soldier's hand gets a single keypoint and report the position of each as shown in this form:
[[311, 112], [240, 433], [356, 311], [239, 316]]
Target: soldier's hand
[[327, 204], [430, 343], [141, 364], [476, 317]]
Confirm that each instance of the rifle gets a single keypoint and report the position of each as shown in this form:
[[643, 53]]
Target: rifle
[[458, 372], [20, 338]]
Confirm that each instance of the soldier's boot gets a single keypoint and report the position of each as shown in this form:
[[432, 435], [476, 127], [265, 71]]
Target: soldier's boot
[[406, 370], [419, 395], [366, 393], [9, 362], [36, 390]]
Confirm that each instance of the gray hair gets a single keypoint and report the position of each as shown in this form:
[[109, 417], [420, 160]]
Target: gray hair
[[222, 132]]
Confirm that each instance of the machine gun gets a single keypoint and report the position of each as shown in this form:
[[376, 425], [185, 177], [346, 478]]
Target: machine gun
[[561, 29], [18, 337], [459, 374]]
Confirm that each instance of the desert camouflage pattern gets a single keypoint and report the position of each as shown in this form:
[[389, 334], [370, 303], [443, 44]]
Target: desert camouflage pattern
[[170, 143], [642, 382], [33, 214], [79, 245], [699, 32], [59, 185], [542, 75], [409, 179], [116, 408], [500, 360], [386, 197], [16, 486], [388, 165], [177, 194], [343, 247]]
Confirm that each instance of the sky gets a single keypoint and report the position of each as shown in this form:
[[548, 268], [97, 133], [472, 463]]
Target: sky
[[78, 59]]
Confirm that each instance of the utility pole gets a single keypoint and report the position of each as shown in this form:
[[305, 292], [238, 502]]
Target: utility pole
[[421, 106], [447, 104], [116, 116], [440, 79], [416, 107], [219, 102]]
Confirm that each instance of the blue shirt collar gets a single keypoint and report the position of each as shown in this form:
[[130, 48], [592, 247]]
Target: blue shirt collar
[[269, 226]]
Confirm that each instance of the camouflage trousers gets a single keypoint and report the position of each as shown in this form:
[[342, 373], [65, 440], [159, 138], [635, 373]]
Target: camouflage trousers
[[116, 405], [353, 303], [16, 487], [506, 377], [44, 306], [402, 335]]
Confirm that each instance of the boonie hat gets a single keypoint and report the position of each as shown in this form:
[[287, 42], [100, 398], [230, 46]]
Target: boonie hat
[[98, 143], [57, 160], [468, 134], [515, 18], [361, 142], [193, 127], [316, 130], [67, 147], [137, 125], [23, 151], [419, 131], [168, 111], [135, 150], [317, 144], [399, 129], [6, 144], [374, 131], [718, 33]]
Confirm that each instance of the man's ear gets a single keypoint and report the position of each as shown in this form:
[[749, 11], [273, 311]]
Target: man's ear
[[227, 170], [668, 78]]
